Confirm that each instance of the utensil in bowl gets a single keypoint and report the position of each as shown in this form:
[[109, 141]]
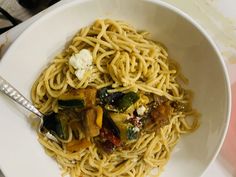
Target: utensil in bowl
[[15, 95]]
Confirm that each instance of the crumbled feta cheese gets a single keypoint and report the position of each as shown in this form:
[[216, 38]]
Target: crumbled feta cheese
[[136, 129], [73, 161], [141, 110], [80, 73], [82, 62]]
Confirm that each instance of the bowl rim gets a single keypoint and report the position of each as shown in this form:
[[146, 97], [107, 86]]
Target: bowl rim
[[59, 7]]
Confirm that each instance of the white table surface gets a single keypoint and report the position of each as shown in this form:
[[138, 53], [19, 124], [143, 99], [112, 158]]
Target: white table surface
[[218, 17]]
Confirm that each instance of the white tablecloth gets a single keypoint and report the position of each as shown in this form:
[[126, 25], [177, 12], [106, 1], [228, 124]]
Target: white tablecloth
[[219, 19]]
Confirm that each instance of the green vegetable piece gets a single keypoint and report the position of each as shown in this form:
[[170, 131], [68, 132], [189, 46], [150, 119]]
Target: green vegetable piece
[[62, 129], [108, 123], [111, 108], [131, 133], [127, 100], [108, 98], [56, 125], [102, 94], [71, 103], [49, 121]]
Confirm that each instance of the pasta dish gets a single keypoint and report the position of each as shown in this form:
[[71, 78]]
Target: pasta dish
[[116, 104]]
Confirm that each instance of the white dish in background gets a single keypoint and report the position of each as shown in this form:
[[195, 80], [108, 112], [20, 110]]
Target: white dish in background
[[22, 155]]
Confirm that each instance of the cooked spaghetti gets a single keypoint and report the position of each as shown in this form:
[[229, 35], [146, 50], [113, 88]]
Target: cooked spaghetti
[[120, 115]]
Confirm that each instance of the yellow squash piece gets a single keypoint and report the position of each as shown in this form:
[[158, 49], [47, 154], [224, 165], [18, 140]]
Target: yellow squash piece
[[76, 145], [99, 116], [88, 95]]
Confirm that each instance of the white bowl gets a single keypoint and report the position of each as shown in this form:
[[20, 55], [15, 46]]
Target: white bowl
[[187, 42]]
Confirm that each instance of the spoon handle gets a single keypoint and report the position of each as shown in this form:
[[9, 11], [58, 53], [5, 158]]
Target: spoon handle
[[14, 94]]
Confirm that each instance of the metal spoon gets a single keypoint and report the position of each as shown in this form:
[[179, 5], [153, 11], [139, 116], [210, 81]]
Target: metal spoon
[[15, 95]]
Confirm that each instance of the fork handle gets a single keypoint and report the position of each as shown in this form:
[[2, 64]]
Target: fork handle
[[15, 95]]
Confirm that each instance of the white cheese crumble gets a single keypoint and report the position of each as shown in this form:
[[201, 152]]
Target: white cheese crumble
[[82, 62], [136, 129], [80, 73], [141, 110], [73, 161]]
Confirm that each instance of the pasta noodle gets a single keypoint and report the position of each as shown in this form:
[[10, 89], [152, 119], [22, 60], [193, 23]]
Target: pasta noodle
[[124, 60]]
